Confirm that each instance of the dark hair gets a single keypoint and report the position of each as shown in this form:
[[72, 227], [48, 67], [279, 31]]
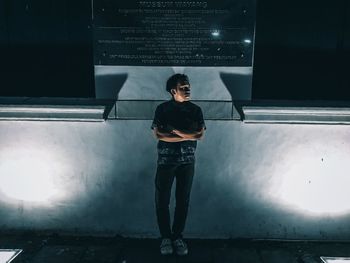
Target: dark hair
[[174, 80]]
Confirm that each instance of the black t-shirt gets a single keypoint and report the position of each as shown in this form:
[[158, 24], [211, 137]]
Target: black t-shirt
[[183, 116]]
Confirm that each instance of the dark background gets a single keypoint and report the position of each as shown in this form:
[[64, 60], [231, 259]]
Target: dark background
[[301, 49], [46, 48]]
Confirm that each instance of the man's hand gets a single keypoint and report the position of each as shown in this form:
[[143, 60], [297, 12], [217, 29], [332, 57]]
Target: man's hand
[[179, 133], [167, 137], [189, 136]]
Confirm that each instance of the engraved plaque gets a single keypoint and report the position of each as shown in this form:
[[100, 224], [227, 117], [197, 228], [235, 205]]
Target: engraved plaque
[[174, 33]]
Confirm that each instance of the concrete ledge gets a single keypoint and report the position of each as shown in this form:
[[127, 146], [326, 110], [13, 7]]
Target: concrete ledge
[[334, 259], [312, 115], [80, 109], [53, 109], [294, 111], [144, 109]]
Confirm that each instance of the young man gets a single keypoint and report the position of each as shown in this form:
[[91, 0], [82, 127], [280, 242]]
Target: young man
[[178, 124]]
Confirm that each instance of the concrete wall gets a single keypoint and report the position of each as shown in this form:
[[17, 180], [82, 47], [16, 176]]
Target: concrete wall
[[251, 181]]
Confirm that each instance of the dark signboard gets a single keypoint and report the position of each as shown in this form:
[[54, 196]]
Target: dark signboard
[[174, 33]]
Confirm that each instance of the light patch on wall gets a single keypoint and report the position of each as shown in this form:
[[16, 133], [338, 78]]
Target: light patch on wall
[[313, 179], [7, 255], [28, 174], [215, 33]]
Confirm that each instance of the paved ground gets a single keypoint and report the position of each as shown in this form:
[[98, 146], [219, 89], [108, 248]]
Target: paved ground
[[68, 249]]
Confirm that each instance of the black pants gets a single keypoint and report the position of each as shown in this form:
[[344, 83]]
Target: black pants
[[164, 180]]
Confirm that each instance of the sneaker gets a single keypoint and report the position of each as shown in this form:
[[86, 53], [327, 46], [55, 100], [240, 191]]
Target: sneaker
[[166, 247], [180, 247]]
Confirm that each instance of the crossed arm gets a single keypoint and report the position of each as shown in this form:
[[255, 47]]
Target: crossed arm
[[178, 136]]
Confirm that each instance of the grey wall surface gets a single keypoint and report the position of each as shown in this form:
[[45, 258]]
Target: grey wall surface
[[148, 83], [251, 181]]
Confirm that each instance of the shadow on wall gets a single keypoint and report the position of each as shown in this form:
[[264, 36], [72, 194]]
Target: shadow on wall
[[110, 85], [234, 84]]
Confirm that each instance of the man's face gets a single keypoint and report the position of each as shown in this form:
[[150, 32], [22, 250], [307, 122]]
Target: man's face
[[182, 92]]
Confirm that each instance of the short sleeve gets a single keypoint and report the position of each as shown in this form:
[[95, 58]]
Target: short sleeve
[[200, 119], [157, 120]]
